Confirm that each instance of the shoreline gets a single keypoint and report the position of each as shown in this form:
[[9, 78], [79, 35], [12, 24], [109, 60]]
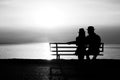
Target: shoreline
[[48, 62]]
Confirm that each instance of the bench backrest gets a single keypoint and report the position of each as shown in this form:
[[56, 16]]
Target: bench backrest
[[65, 47]]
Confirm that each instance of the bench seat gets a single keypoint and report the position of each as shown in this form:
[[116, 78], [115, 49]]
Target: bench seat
[[65, 49]]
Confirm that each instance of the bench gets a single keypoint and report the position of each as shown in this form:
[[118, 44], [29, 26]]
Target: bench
[[65, 49]]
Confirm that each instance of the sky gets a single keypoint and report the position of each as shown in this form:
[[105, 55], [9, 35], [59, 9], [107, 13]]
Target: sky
[[32, 21]]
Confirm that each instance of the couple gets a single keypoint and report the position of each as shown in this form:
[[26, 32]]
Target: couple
[[92, 41]]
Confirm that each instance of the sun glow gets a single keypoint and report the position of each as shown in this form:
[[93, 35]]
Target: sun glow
[[48, 16]]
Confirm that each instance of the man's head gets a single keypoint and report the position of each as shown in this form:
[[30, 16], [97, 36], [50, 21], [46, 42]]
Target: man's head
[[90, 30]]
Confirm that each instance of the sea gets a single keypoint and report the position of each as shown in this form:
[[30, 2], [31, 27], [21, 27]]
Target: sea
[[42, 51]]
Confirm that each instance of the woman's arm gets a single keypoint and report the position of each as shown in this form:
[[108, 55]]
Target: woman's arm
[[72, 42]]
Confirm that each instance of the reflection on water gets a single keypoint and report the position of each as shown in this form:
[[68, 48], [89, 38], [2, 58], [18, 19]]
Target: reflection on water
[[42, 51], [29, 51], [112, 51]]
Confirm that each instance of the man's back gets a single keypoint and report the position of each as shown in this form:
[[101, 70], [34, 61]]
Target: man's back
[[93, 41]]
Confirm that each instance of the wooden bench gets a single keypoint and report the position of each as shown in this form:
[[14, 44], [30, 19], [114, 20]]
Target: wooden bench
[[65, 49]]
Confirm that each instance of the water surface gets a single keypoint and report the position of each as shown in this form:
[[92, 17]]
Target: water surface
[[42, 51]]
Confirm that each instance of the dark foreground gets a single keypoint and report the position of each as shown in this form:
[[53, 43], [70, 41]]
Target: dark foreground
[[22, 69]]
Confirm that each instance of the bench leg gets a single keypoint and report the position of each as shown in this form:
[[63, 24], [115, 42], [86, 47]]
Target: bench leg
[[94, 57], [87, 57], [80, 57], [58, 57]]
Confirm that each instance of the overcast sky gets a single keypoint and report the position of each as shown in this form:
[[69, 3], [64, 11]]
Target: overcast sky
[[28, 21]]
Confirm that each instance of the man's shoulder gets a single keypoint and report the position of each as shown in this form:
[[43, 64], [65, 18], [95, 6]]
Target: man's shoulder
[[87, 36], [94, 35], [97, 35]]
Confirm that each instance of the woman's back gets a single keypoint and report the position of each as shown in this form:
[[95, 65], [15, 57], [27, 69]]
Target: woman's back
[[80, 41]]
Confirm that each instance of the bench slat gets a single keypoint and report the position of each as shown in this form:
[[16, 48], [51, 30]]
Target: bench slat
[[72, 54], [63, 54], [66, 51], [65, 47], [62, 43], [59, 47]]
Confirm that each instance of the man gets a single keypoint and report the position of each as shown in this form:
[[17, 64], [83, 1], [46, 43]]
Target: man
[[93, 42]]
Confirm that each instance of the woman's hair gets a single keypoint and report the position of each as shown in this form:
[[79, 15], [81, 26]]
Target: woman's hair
[[81, 32]]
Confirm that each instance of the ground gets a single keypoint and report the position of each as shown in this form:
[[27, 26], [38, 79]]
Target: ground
[[22, 69]]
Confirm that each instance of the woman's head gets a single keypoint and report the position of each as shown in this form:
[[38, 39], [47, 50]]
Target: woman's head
[[81, 30]]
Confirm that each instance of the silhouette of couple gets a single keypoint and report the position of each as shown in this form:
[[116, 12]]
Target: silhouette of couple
[[87, 45]]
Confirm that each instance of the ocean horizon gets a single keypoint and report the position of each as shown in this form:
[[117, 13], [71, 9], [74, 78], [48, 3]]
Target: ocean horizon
[[42, 51]]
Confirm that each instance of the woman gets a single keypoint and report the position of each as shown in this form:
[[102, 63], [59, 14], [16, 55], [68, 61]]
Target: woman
[[80, 43]]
